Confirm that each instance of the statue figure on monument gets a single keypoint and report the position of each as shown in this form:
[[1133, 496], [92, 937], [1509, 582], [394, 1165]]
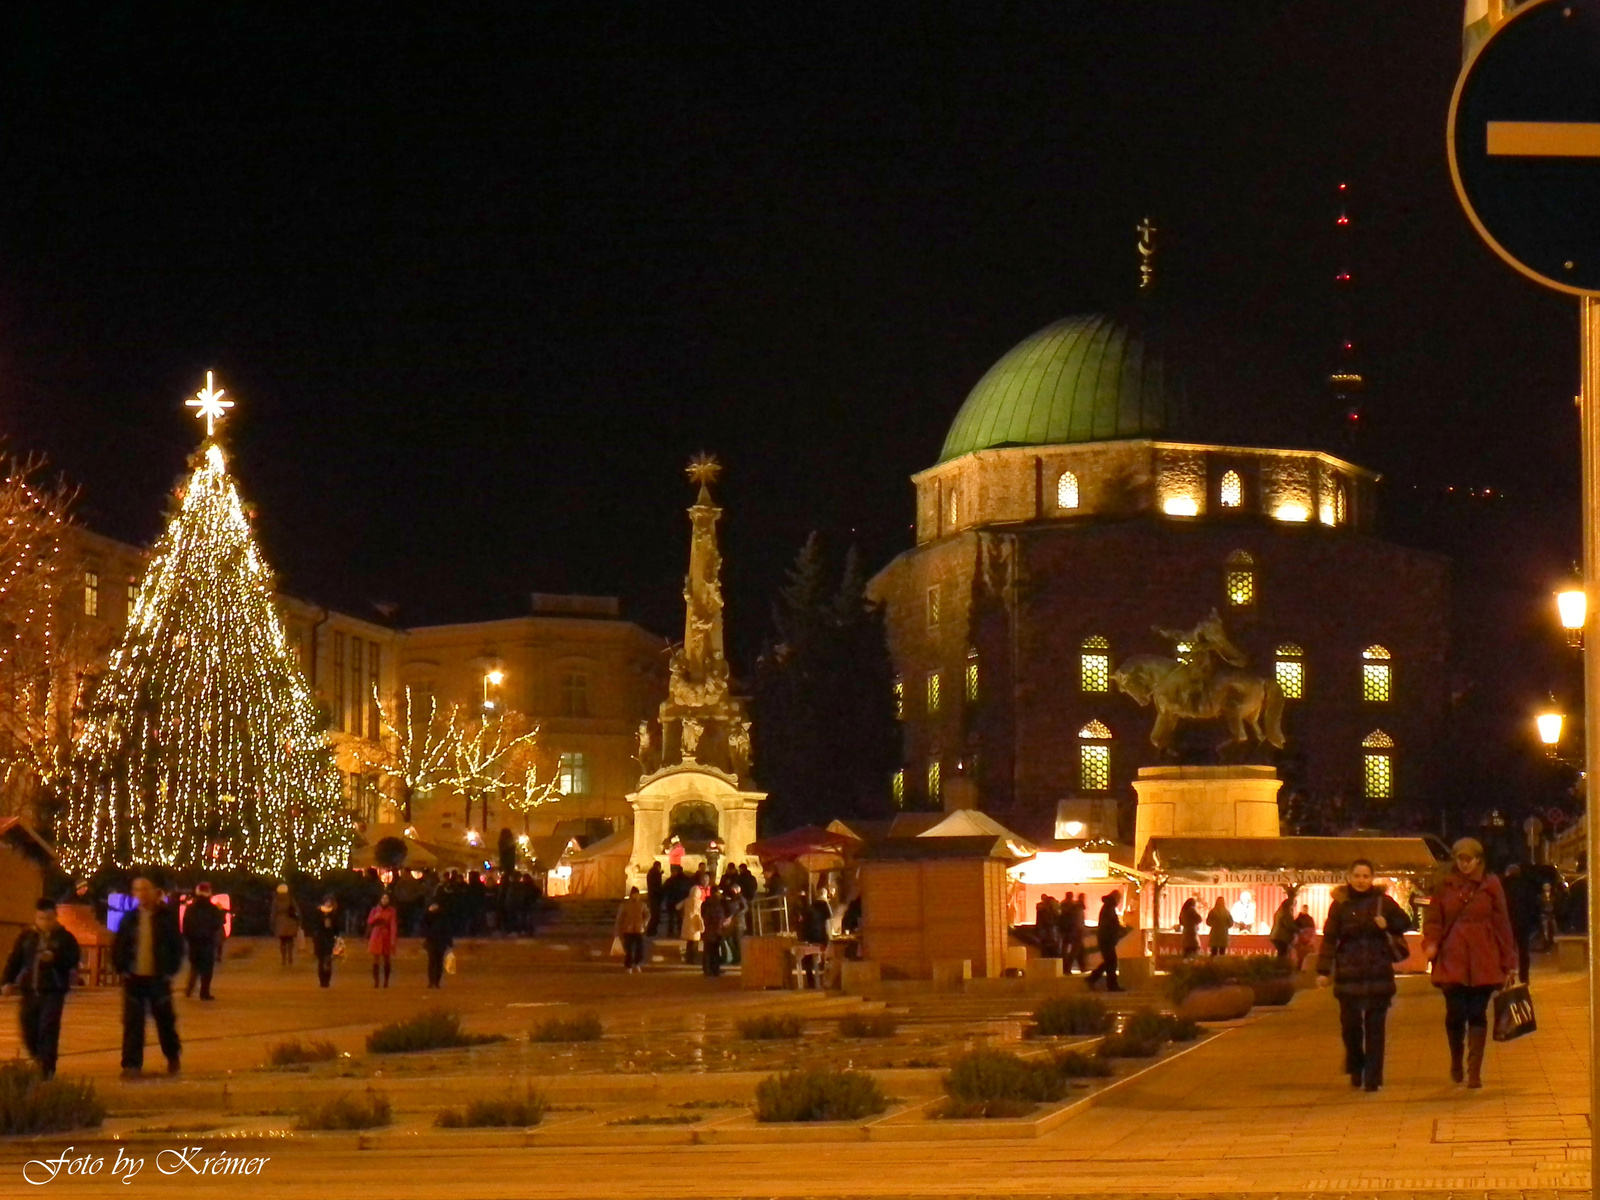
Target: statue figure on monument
[[739, 747], [690, 737], [1203, 681]]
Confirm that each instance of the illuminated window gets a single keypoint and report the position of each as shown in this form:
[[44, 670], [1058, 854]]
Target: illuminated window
[[1241, 579], [899, 699], [972, 676], [1231, 494], [897, 788], [935, 785], [1094, 758], [91, 594], [1067, 490], [1291, 671], [933, 692], [574, 694], [133, 594], [373, 715], [955, 508], [1094, 665], [1377, 766], [358, 707], [339, 715], [933, 607], [1375, 681], [572, 775]]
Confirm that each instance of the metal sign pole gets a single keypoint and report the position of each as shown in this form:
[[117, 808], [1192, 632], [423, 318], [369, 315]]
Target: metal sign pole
[[1589, 435]]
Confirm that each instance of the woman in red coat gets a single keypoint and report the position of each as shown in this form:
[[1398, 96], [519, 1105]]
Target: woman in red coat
[[383, 931], [1468, 933]]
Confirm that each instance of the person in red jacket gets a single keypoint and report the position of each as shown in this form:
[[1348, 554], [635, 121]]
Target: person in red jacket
[[1468, 934], [383, 931]]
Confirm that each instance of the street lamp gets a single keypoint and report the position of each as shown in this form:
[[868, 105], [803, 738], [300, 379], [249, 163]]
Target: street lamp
[[1573, 605], [1549, 723], [491, 679]]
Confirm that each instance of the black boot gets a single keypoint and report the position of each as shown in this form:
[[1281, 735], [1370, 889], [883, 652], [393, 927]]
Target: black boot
[[1458, 1048], [1477, 1041]]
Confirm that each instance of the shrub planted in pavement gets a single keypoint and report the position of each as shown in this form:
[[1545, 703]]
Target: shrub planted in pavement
[[771, 1027], [506, 1112], [983, 1075], [1120, 1045], [868, 1025], [819, 1094], [1075, 1064], [584, 1027], [1070, 1016], [294, 1052], [30, 1103], [435, 1029], [353, 1110]]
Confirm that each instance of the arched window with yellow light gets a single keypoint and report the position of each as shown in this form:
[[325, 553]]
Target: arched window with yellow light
[[1067, 490], [1376, 675], [1239, 579], [1289, 669], [972, 675], [1377, 766], [1094, 757], [1094, 665], [1230, 494]]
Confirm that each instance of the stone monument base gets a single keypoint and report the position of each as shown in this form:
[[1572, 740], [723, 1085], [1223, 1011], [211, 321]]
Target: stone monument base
[[1205, 802]]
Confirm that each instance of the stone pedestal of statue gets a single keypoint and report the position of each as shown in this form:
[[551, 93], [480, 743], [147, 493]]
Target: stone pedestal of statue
[[1205, 802]]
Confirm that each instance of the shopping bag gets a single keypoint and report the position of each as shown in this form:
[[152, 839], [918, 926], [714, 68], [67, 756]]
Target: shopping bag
[[449, 962], [1513, 1013], [338, 946], [616, 947]]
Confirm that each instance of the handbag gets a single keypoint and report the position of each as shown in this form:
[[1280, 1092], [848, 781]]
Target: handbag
[[338, 946], [1513, 1013], [1396, 943], [449, 962]]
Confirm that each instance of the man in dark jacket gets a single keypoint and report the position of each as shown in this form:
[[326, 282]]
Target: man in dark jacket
[[652, 891], [673, 893], [147, 952], [714, 912], [437, 939], [1108, 932], [202, 933], [41, 967]]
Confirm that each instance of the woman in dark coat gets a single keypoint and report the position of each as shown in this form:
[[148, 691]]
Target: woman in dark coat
[[437, 938], [325, 926], [1355, 952], [1468, 933], [1189, 921]]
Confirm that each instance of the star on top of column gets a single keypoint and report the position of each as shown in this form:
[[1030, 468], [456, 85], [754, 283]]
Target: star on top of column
[[209, 404], [704, 468]]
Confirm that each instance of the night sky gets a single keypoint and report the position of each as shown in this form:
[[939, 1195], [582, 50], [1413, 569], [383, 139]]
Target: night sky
[[483, 277]]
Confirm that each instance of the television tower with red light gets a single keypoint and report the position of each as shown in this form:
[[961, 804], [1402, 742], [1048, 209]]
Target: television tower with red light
[[1345, 381]]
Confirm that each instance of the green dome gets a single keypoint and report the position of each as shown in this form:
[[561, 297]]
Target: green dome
[[1085, 379]]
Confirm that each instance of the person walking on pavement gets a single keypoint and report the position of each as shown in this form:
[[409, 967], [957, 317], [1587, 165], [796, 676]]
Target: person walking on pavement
[[673, 893], [713, 916], [41, 967], [1467, 932], [383, 933], [652, 890], [1219, 921], [1283, 930], [1356, 959], [437, 939], [1522, 909], [1189, 922], [285, 923], [147, 951], [733, 928], [203, 930], [634, 917], [1108, 932], [691, 924], [325, 938]]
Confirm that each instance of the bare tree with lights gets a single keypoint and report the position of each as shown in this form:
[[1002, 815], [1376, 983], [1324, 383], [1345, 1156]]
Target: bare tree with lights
[[494, 760], [201, 747], [418, 745]]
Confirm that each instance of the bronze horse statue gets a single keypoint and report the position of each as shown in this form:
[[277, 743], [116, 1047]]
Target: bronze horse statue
[[1204, 683]]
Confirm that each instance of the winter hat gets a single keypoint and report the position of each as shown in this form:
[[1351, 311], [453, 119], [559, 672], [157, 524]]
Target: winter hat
[[1467, 845], [203, 888]]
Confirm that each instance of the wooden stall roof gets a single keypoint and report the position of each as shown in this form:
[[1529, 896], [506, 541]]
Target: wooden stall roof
[[898, 849], [1392, 855], [17, 832]]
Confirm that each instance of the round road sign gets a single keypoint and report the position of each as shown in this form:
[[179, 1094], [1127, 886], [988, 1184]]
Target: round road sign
[[1524, 141]]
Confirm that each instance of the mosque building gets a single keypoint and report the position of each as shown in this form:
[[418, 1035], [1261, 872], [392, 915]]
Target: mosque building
[[1078, 506]]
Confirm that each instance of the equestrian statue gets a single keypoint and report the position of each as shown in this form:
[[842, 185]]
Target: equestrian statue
[[1202, 683]]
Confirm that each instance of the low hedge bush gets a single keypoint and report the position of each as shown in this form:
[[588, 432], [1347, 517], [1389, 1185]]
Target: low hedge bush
[[819, 1094], [1120, 1045], [294, 1052], [770, 1027], [353, 1110], [435, 1029], [868, 1025], [584, 1027], [30, 1103], [514, 1112], [984, 1075], [1191, 974], [1070, 1016], [1075, 1064]]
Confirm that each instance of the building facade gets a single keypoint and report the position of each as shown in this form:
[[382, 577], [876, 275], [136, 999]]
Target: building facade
[[1074, 511]]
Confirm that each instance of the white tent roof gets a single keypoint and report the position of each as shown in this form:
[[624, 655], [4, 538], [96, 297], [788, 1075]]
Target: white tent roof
[[969, 822]]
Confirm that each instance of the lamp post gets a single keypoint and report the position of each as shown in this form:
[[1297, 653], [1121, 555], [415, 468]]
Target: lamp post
[[491, 679], [1549, 723]]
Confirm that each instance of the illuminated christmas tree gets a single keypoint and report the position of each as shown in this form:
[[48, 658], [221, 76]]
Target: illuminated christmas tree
[[201, 746]]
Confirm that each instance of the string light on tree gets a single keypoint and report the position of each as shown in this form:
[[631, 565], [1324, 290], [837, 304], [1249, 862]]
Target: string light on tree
[[201, 746]]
